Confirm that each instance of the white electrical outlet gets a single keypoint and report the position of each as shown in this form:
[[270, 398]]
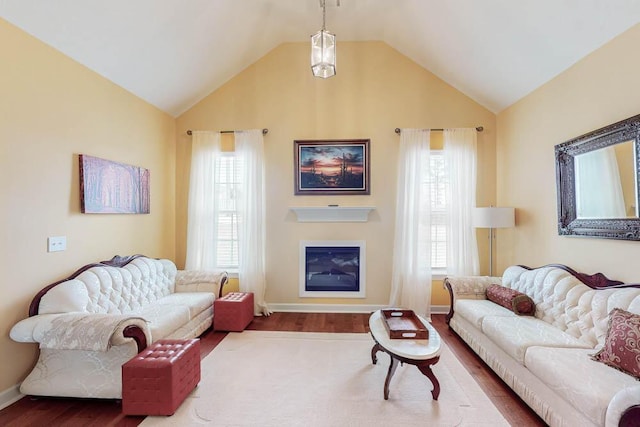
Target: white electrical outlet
[[57, 244]]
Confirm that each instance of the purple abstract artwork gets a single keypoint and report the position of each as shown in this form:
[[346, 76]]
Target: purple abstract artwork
[[112, 187]]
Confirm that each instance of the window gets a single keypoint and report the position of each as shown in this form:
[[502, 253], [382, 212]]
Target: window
[[438, 182], [227, 186]]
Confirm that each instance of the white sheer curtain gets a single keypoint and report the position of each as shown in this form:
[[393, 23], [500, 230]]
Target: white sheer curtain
[[251, 217], [598, 186], [411, 275], [460, 160], [202, 219]]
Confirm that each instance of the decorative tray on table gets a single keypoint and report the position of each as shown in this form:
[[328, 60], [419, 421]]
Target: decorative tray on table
[[404, 324]]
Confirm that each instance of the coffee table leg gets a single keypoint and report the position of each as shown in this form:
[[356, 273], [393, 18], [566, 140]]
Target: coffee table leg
[[392, 370], [376, 348], [425, 368]]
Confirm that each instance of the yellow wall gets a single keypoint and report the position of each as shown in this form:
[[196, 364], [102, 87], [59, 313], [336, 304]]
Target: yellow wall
[[376, 90], [51, 110], [598, 90]]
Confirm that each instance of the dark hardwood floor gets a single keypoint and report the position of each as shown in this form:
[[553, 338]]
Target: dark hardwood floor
[[52, 412]]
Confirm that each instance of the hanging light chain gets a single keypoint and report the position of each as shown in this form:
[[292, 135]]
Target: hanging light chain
[[324, 14]]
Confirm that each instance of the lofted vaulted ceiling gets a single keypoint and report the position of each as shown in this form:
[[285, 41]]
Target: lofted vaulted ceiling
[[172, 53]]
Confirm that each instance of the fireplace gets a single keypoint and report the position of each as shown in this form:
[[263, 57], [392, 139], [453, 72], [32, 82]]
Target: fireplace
[[332, 269]]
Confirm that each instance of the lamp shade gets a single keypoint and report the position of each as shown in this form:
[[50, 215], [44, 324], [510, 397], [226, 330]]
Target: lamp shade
[[494, 217], [323, 54]]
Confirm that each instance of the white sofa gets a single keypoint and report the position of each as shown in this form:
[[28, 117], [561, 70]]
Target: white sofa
[[91, 323], [545, 358]]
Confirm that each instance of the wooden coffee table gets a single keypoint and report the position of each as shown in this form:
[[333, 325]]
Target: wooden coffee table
[[421, 353]]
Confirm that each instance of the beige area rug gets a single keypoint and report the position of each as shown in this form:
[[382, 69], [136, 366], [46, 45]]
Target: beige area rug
[[257, 378]]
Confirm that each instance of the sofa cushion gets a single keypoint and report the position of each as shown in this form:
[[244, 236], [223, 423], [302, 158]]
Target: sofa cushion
[[169, 313], [164, 319], [515, 335], [512, 299], [474, 311], [622, 344], [195, 302], [559, 368]]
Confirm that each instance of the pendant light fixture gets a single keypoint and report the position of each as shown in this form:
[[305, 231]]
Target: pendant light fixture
[[323, 50]]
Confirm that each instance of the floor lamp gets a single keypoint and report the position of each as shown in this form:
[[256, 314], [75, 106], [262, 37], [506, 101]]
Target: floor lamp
[[491, 218]]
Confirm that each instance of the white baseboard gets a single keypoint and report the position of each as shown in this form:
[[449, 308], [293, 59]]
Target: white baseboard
[[340, 308], [439, 309], [10, 396], [324, 308]]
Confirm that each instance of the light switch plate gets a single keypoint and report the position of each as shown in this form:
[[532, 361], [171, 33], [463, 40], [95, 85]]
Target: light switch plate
[[57, 244]]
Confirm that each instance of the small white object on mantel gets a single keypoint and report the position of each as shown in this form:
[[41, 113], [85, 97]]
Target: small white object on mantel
[[332, 213]]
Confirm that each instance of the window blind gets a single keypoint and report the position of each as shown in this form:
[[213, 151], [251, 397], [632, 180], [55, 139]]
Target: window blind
[[227, 180], [438, 182]]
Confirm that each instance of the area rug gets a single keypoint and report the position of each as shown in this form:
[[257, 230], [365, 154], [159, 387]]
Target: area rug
[[257, 378]]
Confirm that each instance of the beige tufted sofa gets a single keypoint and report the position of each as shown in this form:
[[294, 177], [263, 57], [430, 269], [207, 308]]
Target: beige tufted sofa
[[89, 324], [545, 358]]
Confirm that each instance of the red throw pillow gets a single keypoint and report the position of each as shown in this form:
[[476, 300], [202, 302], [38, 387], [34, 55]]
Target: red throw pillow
[[515, 301], [622, 344]]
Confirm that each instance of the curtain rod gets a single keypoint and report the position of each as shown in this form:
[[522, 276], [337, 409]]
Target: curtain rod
[[479, 129], [264, 131]]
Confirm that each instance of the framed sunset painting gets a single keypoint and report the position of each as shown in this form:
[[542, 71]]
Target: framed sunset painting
[[330, 167]]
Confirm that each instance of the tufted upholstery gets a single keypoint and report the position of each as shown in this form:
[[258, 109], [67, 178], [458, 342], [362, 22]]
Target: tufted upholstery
[[157, 380], [119, 290], [546, 359], [568, 304]]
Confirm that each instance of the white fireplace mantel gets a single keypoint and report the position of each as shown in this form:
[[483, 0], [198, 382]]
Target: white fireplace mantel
[[332, 213]]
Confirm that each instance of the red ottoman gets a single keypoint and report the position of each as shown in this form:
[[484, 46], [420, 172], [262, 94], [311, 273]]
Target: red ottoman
[[159, 378], [233, 312]]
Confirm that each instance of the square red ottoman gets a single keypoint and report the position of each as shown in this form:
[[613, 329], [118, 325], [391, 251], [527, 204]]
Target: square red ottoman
[[233, 312], [159, 378]]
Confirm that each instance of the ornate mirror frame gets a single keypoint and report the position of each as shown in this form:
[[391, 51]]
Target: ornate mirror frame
[[568, 223]]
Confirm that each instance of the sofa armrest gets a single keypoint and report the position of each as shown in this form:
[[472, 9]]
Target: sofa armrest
[[82, 331], [28, 329], [624, 408], [468, 287], [201, 281]]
